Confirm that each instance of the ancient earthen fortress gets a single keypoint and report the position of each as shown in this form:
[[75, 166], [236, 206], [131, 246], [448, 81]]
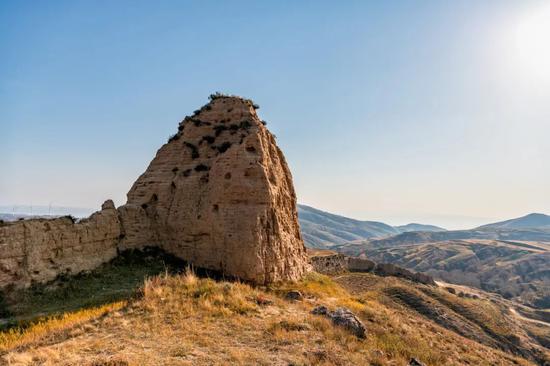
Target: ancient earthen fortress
[[219, 194]]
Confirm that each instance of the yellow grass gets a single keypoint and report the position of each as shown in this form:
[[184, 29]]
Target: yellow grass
[[16, 337], [185, 320]]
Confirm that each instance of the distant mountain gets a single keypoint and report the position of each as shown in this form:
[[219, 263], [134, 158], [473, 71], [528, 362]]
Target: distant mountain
[[321, 229], [517, 270], [531, 221], [418, 227], [418, 237], [487, 257]]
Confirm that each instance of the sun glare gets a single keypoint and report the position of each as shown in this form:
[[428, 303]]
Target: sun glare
[[532, 43]]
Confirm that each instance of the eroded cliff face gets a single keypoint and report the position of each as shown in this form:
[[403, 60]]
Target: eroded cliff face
[[39, 250], [220, 195]]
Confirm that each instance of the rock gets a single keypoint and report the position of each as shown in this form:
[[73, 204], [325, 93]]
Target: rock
[[220, 195], [261, 300], [320, 310], [294, 295], [423, 278], [415, 362], [451, 290], [108, 205], [345, 318]]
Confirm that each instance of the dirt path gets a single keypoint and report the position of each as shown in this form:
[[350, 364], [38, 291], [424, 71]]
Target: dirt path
[[524, 318]]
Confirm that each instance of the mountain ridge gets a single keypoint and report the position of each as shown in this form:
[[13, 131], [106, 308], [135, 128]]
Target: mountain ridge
[[322, 229], [532, 220]]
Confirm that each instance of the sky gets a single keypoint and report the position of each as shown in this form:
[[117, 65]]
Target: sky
[[396, 111]]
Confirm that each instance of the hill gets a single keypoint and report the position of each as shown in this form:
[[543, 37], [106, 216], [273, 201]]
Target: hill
[[418, 227], [515, 269], [510, 257], [533, 221], [322, 229], [182, 319]]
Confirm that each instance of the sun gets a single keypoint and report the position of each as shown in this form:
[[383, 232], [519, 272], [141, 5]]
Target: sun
[[532, 43]]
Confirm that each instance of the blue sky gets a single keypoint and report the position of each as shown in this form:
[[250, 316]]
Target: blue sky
[[397, 111]]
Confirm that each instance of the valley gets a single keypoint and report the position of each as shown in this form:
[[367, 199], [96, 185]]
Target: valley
[[509, 258]]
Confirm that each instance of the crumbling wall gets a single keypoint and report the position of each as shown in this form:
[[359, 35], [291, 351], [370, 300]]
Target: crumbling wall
[[39, 250], [338, 263], [330, 264]]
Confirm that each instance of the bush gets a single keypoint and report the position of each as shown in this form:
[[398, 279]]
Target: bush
[[194, 150], [223, 147], [4, 309], [217, 95], [71, 217], [219, 129], [209, 139], [173, 137], [196, 122], [245, 125], [201, 168]]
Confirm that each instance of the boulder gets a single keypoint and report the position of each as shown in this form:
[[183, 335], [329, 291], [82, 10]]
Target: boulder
[[294, 295], [415, 362], [451, 290], [320, 310], [344, 318]]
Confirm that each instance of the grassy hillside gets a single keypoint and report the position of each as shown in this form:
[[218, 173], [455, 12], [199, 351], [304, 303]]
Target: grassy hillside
[[516, 270], [181, 319]]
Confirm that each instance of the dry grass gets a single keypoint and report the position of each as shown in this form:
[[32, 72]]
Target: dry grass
[[18, 336], [205, 297], [186, 320]]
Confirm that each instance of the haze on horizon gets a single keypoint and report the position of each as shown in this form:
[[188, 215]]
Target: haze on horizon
[[431, 112]]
